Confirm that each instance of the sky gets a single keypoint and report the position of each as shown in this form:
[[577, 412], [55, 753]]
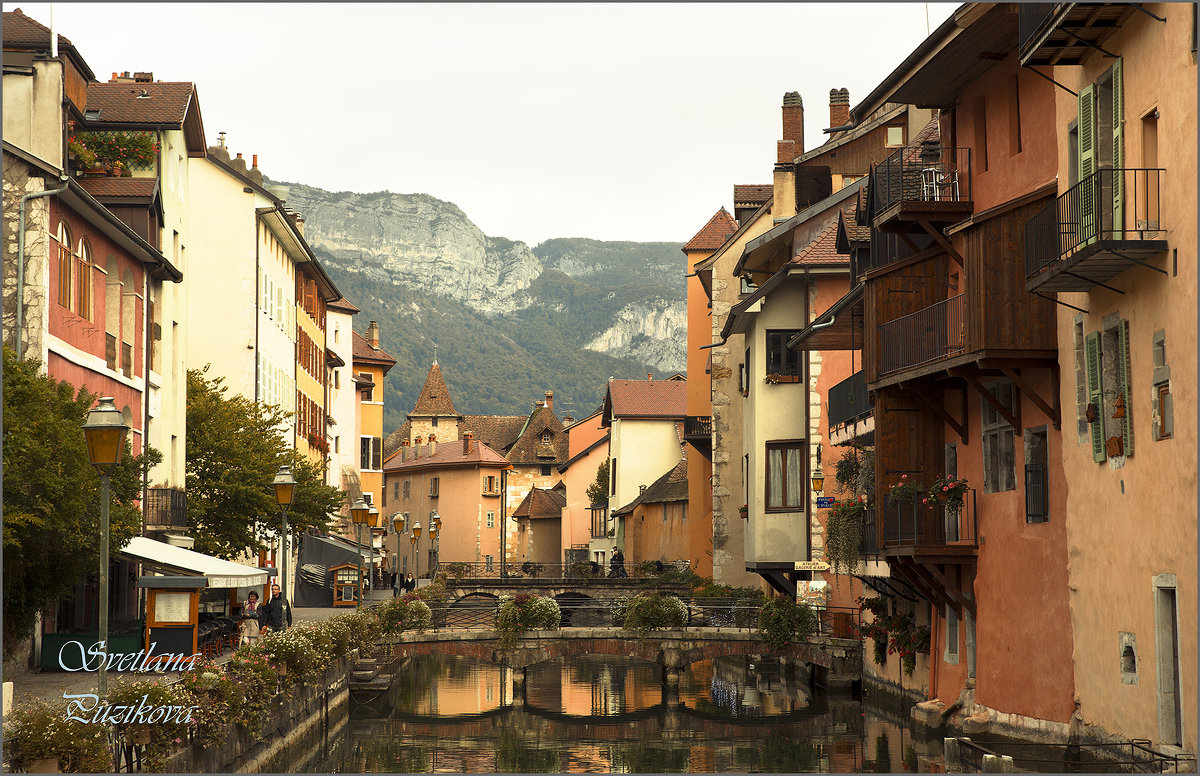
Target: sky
[[609, 121]]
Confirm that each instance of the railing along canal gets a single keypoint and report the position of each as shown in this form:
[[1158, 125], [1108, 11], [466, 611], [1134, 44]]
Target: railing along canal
[[1133, 756], [579, 571]]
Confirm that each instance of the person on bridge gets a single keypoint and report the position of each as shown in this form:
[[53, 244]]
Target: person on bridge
[[617, 564]]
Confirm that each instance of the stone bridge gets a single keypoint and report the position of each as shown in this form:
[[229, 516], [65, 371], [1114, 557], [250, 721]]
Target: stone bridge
[[839, 660], [558, 588]]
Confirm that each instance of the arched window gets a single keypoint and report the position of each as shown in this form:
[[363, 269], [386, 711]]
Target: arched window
[[83, 280], [65, 262], [128, 296], [112, 313]]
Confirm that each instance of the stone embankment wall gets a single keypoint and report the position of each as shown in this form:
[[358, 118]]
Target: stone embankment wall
[[294, 714]]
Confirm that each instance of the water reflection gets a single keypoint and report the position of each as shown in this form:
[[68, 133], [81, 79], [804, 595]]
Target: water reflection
[[601, 714]]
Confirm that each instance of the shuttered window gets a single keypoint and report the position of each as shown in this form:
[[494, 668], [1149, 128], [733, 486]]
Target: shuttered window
[[1095, 406]]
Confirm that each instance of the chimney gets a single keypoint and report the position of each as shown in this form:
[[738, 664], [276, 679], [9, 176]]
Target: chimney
[[297, 221], [649, 375], [792, 144], [468, 440], [114, 78], [432, 445], [641, 489], [239, 164], [403, 450], [254, 173], [417, 447], [568, 419], [839, 107], [550, 399], [143, 78], [373, 334]]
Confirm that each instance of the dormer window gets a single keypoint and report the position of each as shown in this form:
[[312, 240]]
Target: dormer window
[[546, 437]]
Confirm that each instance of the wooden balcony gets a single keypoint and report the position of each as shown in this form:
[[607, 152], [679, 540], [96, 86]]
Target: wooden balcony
[[165, 508], [849, 407], [929, 533], [1102, 226], [914, 189], [1066, 33], [697, 431], [933, 333]]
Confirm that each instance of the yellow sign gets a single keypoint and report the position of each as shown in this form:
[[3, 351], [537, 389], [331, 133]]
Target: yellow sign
[[811, 565]]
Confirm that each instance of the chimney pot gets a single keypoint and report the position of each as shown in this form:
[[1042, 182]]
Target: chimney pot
[[239, 156], [115, 76], [550, 399], [432, 445], [468, 438], [649, 375], [839, 107], [793, 127], [373, 334], [254, 162]]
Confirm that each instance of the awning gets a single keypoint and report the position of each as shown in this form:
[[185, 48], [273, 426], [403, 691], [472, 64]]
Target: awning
[[177, 561], [838, 328]]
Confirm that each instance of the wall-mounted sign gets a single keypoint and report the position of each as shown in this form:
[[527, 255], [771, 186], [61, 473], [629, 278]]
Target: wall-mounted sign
[[811, 565], [824, 502]]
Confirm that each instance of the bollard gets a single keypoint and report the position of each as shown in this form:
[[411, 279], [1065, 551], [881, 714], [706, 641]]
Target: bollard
[[997, 764], [952, 755]]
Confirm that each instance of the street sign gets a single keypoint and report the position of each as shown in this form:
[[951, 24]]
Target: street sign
[[824, 502], [811, 565]]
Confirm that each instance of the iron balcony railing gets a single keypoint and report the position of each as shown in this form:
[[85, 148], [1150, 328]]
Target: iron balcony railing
[[1109, 204], [926, 335], [848, 401], [697, 427], [1037, 494], [889, 247], [1031, 19], [165, 508], [869, 545], [927, 174], [915, 524]]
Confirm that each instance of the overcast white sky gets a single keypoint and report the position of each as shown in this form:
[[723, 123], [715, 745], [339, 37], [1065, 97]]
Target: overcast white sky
[[610, 121]]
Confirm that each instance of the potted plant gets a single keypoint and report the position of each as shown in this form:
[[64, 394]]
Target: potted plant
[[744, 511], [949, 490], [40, 738], [905, 491]]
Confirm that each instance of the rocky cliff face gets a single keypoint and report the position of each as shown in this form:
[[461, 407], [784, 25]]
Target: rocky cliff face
[[426, 245]]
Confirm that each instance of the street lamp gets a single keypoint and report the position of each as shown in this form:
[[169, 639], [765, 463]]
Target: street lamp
[[358, 514], [374, 520], [818, 481], [105, 432], [416, 537], [285, 491], [435, 530]]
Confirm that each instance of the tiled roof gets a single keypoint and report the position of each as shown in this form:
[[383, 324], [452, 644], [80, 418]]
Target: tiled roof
[[854, 231], [364, 352], [498, 432], [931, 132], [119, 187], [447, 454], [541, 504], [645, 399], [823, 248], [529, 447], [435, 396], [752, 195], [21, 30], [343, 304], [763, 209], [714, 233], [672, 486], [165, 102]]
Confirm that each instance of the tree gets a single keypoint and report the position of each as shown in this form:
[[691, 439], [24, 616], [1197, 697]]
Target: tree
[[52, 495], [234, 449], [597, 492]]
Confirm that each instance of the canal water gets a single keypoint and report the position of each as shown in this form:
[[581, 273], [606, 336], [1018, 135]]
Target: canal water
[[608, 714]]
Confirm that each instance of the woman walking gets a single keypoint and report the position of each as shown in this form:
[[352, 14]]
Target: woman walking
[[248, 627]]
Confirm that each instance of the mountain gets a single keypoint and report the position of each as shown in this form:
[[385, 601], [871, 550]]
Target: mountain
[[509, 322]]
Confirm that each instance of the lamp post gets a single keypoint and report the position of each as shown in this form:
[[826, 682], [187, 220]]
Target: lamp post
[[358, 514], [414, 539], [503, 517], [374, 520], [105, 432], [435, 532], [285, 491]]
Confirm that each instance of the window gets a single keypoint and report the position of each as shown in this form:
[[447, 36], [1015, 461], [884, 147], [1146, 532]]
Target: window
[[433, 486], [337, 383], [545, 471], [999, 464], [65, 265], [664, 506], [546, 437], [1109, 410], [487, 562], [1014, 115], [748, 285], [83, 281], [490, 485], [1037, 488], [612, 476], [367, 497], [368, 390], [434, 421], [785, 476], [782, 360], [894, 137], [491, 519], [407, 488], [1164, 417], [951, 653], [396, 489], [979, 116], [371, 453], [747, 372]]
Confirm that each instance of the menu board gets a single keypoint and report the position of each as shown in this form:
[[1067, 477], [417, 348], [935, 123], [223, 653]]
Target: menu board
[[173, 607]]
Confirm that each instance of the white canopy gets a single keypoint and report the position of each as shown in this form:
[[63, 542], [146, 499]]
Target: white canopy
[[220, 573]]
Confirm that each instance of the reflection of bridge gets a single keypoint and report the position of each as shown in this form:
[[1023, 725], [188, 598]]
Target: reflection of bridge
[[840, 660]]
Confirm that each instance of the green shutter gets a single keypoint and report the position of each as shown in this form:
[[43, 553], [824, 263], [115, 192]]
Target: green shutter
[[1087, 164], [1125, 378], [1092, 352], [1118, 184]]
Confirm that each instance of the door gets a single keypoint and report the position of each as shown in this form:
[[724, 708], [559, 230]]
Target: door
[[1166, 618]]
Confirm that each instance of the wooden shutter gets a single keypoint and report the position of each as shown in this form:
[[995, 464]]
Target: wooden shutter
[[1087, 164], [1118, 135], [1092, 353], [1125, 378]]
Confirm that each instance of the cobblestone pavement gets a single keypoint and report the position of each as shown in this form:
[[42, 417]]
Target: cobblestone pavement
[[52, 685]]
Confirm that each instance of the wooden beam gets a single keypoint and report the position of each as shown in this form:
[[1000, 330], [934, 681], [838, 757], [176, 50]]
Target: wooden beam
[[1050, 412], [908, 571], [947, 596], [912, 246], [951, 588], [941, 240], [966, 426], [987, 396], [933, 404]]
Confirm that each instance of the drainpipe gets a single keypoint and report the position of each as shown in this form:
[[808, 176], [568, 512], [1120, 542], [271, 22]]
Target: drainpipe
[[818, 326], [21, 258]]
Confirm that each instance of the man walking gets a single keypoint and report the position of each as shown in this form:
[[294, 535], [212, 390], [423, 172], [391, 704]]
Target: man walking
[[275, 614]]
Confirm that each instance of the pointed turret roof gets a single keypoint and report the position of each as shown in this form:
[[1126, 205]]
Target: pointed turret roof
[[435, 396], [714, 233]]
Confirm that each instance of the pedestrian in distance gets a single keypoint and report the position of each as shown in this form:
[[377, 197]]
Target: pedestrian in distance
[[275, 614], [248, 626], [618, 563]]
